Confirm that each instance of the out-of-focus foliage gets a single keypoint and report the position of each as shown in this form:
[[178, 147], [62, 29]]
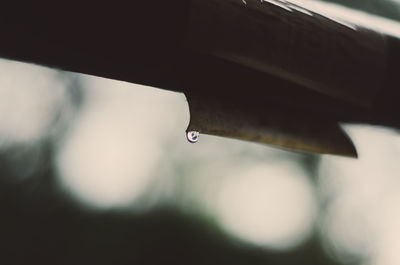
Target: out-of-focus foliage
[[110, 178]]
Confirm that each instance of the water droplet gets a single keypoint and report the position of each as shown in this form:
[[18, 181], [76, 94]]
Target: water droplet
[[192, 136]]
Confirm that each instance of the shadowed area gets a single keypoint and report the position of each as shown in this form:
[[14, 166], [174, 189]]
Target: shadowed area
[[37, 226]]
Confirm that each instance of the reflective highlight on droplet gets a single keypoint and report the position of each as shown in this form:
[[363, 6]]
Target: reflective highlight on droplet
[[192, 136]]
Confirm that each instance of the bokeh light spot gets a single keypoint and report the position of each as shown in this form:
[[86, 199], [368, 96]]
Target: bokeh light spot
[[31, 97], [272, 206]]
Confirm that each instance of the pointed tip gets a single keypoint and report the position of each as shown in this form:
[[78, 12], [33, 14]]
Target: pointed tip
[[291, 132], [347, 148]]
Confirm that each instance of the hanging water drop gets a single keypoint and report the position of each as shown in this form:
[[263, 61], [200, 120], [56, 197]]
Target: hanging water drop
[[192, 136]]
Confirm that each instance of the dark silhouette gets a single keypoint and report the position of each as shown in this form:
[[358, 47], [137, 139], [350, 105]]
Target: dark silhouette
[[274, 76]]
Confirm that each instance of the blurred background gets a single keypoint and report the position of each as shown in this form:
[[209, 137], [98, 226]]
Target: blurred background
[[97, 171]]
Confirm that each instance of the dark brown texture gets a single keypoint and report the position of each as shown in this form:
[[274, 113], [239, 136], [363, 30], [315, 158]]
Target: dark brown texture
[[304, 72]]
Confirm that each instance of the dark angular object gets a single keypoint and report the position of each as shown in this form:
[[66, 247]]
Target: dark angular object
[[264, 71]]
